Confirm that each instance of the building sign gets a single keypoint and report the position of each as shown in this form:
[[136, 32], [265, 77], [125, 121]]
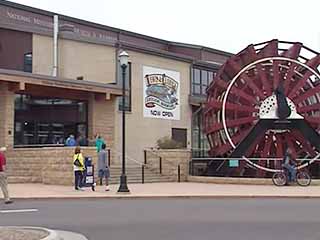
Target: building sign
[[161, 93], [38, 22]]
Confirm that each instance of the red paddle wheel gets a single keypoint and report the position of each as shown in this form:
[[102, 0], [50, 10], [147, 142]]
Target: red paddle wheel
[[264, 99]]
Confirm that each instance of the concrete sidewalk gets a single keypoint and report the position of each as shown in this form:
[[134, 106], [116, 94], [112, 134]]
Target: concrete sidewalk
[[165, 190]]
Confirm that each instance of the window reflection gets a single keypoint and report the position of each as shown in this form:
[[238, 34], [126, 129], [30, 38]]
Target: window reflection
[[201, 79], [27, 62], [48, 120]]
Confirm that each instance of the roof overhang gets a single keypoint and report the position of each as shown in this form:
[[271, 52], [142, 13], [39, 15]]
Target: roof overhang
[[22, 79], [197, 100]]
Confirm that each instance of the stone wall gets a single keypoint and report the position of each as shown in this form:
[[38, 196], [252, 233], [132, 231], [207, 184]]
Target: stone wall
[[101, 120], [52, 165], [171, 159], [6, 115]]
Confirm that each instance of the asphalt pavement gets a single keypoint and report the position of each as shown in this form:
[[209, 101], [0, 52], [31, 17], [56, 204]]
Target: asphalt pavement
[[146, 219]]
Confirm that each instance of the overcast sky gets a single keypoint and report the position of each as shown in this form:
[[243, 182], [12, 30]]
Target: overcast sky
[[228, 25]]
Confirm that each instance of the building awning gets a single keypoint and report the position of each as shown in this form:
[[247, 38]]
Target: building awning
[[23, 79], [197, 100]]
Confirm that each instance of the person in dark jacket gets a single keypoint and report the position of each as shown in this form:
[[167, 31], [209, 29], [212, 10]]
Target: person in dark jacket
[[103, 168], [289, 163]]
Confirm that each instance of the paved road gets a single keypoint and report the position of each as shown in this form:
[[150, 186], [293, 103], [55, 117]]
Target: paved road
[[225, 219]]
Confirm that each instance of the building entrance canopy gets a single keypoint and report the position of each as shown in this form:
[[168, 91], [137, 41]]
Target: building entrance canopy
[[21, 81]]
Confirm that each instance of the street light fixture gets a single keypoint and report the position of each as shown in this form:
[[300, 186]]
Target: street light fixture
[[123, 57]]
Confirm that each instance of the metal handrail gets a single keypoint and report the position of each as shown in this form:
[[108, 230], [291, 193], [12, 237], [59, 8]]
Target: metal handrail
[[154, 154], [152, 151], [254, 159], [129, 158]]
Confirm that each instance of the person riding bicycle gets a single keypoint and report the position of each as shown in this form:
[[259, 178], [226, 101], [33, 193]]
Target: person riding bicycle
[[289, 163]]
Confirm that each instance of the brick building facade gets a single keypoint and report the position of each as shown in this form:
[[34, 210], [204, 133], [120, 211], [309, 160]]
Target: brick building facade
[[40, 109]]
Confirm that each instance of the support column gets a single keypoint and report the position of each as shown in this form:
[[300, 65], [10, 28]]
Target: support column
[[101, 119], [6, 115]]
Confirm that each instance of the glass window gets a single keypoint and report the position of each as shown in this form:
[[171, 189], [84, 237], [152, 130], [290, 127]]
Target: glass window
[[203, 89], [27, 67], [204, 78], [210, 77], [196, 76], [180, 135], [200, 144], [41, 120], [196, 89], [201, 79]]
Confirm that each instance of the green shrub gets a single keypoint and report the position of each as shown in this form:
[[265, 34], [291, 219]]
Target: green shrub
[[168, 143]]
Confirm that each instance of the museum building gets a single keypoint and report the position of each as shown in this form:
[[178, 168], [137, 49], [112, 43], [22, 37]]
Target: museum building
[[60, 75]]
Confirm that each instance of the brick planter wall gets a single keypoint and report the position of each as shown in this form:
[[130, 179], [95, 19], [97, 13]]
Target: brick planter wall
[[171, 158], [52, 165]]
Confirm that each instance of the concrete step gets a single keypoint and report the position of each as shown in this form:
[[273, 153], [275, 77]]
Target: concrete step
[[19, 172], [117, 181], [139, 176]]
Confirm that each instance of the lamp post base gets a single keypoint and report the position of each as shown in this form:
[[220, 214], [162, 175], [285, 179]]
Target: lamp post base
[[123, 188]]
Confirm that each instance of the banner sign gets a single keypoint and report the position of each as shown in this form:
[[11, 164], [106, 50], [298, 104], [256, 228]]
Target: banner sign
[[35, 22], [161, 93]]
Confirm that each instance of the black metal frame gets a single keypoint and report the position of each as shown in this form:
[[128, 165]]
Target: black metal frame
[[264, 124]]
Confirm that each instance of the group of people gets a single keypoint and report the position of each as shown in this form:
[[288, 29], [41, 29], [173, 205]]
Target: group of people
[[81, 140], [103, 167], [79, 168], [289, 163], [71, 141]]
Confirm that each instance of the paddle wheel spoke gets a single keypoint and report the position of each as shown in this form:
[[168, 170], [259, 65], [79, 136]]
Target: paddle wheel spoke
[[293, 52], [232, 123], [309, 108], [280, 149], [315, 120], [291, 144], [309, 93], [236, 139], [276, 74], [231, 107], [265, 153], [264, 80], [238, 92], [270, 50], [288, 79], [313, 63], [306, 145], [236, 67]]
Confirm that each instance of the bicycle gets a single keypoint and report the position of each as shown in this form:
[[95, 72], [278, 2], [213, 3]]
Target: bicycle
[[303, 178]]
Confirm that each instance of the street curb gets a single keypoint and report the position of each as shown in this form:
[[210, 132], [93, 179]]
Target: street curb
[[238, 181], [52, 235], [170, 197], [66, 235]]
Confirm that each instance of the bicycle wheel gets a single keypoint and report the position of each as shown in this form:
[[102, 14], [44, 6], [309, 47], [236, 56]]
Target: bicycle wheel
[[303, 179], [279, 179]]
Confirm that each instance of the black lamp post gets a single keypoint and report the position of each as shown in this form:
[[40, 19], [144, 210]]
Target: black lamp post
[[123, 57]]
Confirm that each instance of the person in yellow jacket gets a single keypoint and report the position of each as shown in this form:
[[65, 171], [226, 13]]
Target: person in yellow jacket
[[78, 168]]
